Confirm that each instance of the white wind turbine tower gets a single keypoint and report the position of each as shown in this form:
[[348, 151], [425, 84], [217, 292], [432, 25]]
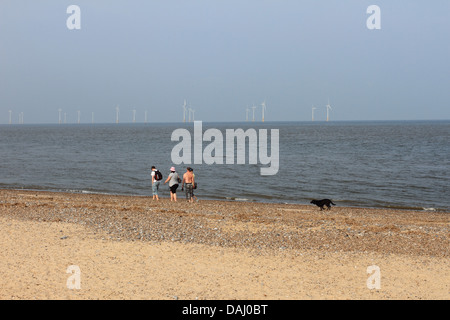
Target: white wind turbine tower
[[134, 115], [78, 116], [313, 108], [193, 114], [65, 117], [263, 109], [189, 114], [59, 118], [145, 116], [328, 108], [246, 114], [10, 116], [184, 111], [117, 114], [92, 119], [253, 119]]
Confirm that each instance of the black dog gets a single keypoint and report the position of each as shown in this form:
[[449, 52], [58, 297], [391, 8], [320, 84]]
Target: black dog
[[322, 203]]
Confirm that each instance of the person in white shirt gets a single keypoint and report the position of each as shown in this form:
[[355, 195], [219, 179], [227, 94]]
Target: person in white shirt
[[155, 183]]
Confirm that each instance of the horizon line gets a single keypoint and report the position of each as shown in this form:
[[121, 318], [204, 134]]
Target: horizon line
[[214, 121]]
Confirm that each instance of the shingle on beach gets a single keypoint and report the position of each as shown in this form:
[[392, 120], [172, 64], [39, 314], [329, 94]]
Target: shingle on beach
[[245, 250], [257, 226]]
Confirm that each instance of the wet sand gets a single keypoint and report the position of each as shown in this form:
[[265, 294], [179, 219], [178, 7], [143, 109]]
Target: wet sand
[[135, 248]]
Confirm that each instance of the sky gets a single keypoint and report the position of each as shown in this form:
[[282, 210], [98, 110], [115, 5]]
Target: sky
[[222, 57]]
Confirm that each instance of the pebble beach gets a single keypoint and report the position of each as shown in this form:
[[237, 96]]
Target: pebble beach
[[132, 247]]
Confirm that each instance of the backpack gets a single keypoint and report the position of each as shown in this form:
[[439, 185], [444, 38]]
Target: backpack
[[158, 175]]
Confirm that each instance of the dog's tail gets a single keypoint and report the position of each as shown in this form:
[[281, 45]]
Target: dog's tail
[[332, 203]]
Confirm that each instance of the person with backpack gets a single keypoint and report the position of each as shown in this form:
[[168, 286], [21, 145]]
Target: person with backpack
[[173, 180], [156, 180]]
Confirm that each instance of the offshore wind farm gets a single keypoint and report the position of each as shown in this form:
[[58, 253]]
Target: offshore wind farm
[[188, 115]]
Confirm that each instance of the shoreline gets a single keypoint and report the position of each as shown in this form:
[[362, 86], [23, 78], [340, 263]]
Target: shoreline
[[216, 249], [236, 199]]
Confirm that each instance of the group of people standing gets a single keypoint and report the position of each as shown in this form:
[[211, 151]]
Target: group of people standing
[[187, 183]]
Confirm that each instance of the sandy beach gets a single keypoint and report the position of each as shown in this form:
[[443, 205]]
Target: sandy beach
[[128, 247]]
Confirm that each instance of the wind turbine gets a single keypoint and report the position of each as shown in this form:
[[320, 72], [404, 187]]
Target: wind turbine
[[184, 111], [263, 109], [313, 108], [134, 115], [92, 116], [10, 114], [193, 114], [145, 116], [78, 116], [117, 114], [253, 119], [246, 114], [189, 114], [59, 119], [328, 108]]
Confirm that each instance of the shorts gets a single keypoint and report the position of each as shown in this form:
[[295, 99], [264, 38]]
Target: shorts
[[173, 188], [189, 191]]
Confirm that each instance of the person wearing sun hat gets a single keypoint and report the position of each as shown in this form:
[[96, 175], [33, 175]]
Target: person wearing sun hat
[[173, 180]]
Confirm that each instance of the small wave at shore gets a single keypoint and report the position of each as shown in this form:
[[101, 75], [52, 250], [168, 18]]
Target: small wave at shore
[[237, 199]]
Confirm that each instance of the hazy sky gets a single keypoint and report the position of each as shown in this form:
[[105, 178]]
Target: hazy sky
[[222, 56]]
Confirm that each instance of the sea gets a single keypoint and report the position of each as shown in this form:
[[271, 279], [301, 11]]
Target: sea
[[376, 164]]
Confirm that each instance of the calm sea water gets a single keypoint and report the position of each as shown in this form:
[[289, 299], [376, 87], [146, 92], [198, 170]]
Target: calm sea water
[[373, 164]]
